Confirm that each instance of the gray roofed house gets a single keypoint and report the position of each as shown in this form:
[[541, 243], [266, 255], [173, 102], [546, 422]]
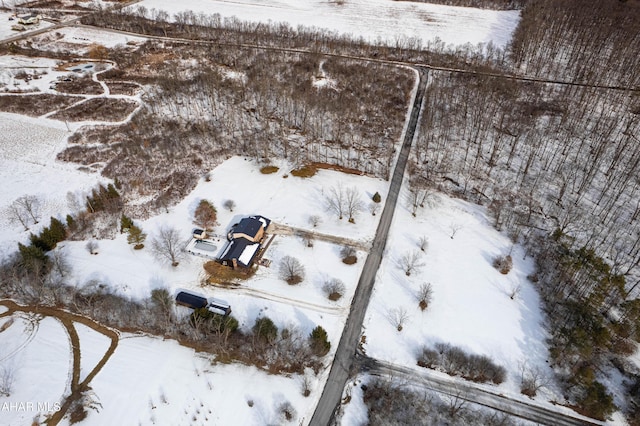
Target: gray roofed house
[[245, 239]]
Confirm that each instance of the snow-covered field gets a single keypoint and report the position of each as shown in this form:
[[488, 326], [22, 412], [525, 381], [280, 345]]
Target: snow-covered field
[[472, 306], [373, 20], [38, 355], [28, 147], [146, 381]]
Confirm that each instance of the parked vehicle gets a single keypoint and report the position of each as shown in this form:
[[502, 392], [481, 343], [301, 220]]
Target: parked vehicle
[[196, 301]]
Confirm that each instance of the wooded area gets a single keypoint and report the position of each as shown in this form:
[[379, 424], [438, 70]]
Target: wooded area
[[262, 104]]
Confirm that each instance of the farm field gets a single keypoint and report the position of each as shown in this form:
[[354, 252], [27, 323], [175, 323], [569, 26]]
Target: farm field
[[385, 20]]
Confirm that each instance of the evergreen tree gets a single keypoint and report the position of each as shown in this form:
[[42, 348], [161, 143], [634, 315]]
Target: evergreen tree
[[32, 257], [71, 223], [125, 223], [320, 344], [136, 236]]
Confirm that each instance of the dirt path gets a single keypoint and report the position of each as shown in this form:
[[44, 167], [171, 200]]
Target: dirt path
[[68, 319], [279, 229]]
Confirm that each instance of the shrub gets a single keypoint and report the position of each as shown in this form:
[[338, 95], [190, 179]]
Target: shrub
[[503, 264], [221, 274], [376, 197], [267, 170], [455, 361], [265, 329], [334, 289], [214, 323], [424, 295], [319, 341], [304, 171], [348, 255]]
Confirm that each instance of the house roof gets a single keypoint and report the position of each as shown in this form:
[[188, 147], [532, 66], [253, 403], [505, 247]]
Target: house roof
[[248, 226], [242, 250]]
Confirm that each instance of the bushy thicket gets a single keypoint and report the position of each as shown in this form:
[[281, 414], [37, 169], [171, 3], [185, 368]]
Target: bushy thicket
[[456, 362], [390, 403]]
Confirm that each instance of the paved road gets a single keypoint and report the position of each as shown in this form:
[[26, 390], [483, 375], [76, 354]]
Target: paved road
[[473, 392], [344, 358]]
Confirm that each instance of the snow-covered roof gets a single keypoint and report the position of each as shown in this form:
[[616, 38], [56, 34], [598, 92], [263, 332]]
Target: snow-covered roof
[[248, 253]]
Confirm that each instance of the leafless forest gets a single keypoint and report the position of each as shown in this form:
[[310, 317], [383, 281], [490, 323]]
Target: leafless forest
[[203, 104], [558, 167]]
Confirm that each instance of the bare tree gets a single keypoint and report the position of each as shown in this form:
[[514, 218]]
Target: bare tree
[[306, 386], [315, 220], [7, 379], [167, 245], [59, 262], [515, 291], [229, 205], [532, 379], [424, 295], [454, 228], [17, 214], [374, 208], [307, 238], [333, 288], [456, 404], [31, 204], [353, 202], [412, 261], [423, 243], [336, 200], [398, 317], [92, 247], [291, 270]]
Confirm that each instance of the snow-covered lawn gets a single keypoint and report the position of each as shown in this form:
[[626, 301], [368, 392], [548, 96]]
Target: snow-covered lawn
[[146, 381], [288, 201], [372, 20], [471, 307], [151, 381]]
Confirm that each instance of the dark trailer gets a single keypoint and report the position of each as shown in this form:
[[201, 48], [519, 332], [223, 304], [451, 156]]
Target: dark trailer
[[191, 300]]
